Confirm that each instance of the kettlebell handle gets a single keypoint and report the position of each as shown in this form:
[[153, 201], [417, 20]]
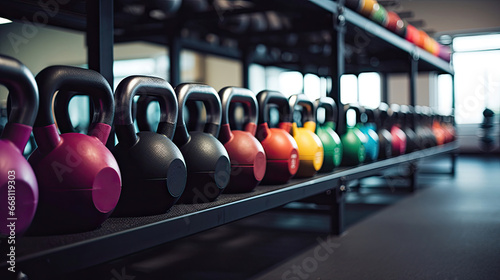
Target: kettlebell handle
[[303, 101], [73, 79], [266, 97], [239, 95], [212, 103], [330, 107], [23, 96], [150, 86]]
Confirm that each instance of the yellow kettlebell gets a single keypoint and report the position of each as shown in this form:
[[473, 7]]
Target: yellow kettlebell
[[311, 152]]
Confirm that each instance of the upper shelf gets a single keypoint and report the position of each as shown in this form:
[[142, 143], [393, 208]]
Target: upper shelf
[[294, 34]]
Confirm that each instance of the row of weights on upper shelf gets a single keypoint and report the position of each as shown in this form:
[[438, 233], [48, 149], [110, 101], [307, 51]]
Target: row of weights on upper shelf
[[391, 21], [393, 130], [72, 182]]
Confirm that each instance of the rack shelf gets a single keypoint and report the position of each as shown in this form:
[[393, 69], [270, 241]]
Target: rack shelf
[[117, 237]]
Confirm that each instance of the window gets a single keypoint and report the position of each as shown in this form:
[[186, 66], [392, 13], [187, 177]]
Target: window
[[348, 89], [477, 76], [369, 89]]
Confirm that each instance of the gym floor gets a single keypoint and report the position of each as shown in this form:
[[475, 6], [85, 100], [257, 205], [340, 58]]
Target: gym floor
[[448, 229]]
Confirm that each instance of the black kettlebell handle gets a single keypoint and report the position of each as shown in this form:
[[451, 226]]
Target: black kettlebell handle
[[150, 86], [210, 98], [68, 80], [370, 116], [23, 91], [303, 101], [266, 97], [330, 107], [239, 95]]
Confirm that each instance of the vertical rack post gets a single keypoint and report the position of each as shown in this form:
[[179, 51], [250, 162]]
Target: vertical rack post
[[413, 78], [246, 60], [174, 55], [384, 87], [337, 68], [100, 43], [337, 64], [453, 100]]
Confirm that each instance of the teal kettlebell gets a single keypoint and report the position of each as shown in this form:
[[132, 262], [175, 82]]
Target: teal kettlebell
[[332, 144], [370, 130], [353, 140]]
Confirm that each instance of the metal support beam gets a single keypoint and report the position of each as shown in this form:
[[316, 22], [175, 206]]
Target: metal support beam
[[100, 44], [337, 67], [174, 54], [337, 208], [384, 87], [246, 59], [413, 79]]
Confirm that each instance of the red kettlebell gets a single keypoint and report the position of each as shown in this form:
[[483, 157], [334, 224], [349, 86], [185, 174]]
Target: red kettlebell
[[281, 149], [395, 24], [18, 185], [248, 159], [78, 177]]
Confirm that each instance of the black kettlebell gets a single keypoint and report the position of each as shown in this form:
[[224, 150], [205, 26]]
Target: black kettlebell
[[424, 128], [406, 120], [207, 160], [152, 167]]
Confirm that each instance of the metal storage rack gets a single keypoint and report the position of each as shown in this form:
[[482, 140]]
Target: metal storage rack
[[56, 255]]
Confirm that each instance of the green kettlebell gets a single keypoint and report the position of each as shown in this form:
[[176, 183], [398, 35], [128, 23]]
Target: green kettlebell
[[353, 140], [332, 144]]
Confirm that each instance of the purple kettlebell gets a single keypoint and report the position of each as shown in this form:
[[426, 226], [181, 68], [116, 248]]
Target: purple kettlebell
[[78, 177], [18, 185]]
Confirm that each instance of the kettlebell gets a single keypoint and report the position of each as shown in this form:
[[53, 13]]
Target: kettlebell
[[248, 158], [18, 184], [311, 151], [332, 146], [152, 167], [282, 152], [207, 161], [398, 142], [79, 179], [406, 123], [370, 130], [423, 129], [437, 129], [376, 119], [353, 140]]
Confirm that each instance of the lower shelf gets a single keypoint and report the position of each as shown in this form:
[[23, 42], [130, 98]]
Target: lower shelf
[[118, 237]]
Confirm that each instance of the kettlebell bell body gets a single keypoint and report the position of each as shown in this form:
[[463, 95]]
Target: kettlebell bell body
[[407, 124], [332, 146], [247, 156], [353, 140], [398, 135], [79, 179], [18, 184], [311, 152], [153, 169], [207, 161], [281, 149]]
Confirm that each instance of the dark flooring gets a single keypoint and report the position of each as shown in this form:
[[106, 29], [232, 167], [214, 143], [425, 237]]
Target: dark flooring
[[448, 229]]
